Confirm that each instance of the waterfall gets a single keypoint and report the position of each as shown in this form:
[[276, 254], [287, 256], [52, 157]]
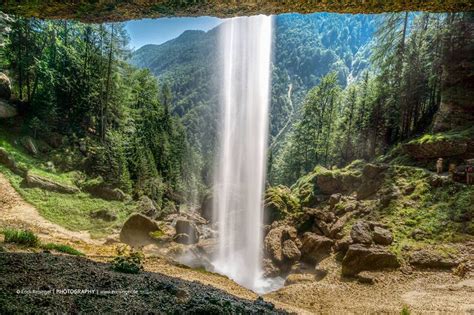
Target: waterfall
[[245, 44]]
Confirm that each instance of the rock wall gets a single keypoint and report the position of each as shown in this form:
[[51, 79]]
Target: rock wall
[[113, 10]]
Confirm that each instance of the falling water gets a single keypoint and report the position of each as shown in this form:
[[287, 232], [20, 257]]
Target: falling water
[[245, 45]]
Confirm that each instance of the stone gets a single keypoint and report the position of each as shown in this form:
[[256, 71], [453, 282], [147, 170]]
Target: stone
[[7, 160], [136, 230], [382, 236], [373, 171], [7, 110], [429, 259], [279, 203], [320, 273], [368, 188], [315, 247], [274, 240], [106, 193], [29, 145], [207, 246], [105, 215], [334, 199], [147, 207], [361, 232], [365, 277], [35, 181], [188, 228], [436, 149], [361, 258], [270, 270], [5, 87], [290, 251], [342, 245], [336, 229]]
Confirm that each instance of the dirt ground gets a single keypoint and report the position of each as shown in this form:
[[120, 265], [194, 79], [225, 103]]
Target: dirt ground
[[422, 292]]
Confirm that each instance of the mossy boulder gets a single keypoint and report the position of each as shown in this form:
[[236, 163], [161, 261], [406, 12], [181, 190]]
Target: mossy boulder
[[280, 202]]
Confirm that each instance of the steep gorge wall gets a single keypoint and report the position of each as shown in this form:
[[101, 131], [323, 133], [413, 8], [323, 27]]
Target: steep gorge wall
[[116, 10]]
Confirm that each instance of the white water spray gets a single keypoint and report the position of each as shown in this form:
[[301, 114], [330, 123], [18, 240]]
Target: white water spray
[[245, 44]]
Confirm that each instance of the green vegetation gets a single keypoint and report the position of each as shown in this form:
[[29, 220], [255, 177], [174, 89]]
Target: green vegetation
[[20, 237], [451, 135], [405, 311], [128, 263], [62, 248]]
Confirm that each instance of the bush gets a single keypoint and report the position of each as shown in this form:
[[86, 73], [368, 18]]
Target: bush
[[128, 263], [21, 237], [62, 248]]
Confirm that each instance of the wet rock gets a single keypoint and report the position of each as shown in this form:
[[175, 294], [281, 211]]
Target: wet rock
[[270, 270], [186, 232], [382, 236], [34, 181], [5, 86], [207, 246], [290, 251], [361, 232], [105, 215], [428, 259], [315, 247], [7, 110], [136, 230], [359, 258]]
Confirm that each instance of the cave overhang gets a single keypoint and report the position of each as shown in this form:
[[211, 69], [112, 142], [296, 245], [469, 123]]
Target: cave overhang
[[120, 10]]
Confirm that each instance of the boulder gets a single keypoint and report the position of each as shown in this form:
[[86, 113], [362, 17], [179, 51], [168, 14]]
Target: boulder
[[336, 229], [366, 277], [54, 140], [7, 160], [136, 230], [274, 240], [270, 270], [315, 247], [35, 181], [147, 207], [279, 203], [105, 215], [290, 251], [428, 259], [6, 110], [5, 86], [334, 199], [361, 232], [382, 236], [329, 184], [373, 171], [207, 246], [368, 188], [342, 245], [320, 273], [186, 232], [359, 258]]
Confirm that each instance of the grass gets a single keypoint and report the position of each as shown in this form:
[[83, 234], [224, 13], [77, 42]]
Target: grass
[[62, 248], [451, 135], [70, 211], [21, 237]]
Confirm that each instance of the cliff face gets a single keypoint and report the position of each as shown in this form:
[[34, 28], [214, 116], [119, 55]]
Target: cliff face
[[457, 93], [114, 10]]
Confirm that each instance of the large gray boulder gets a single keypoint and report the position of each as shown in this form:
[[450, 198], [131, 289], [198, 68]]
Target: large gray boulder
[[186, 232], [359, 258], [136, 230], [5, 86]]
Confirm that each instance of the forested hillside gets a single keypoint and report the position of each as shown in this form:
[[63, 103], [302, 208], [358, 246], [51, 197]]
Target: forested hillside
[[307, 47]]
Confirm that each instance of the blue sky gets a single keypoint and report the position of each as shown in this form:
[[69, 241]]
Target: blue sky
[[158, 31]]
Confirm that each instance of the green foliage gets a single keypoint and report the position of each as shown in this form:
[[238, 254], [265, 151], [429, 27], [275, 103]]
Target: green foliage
[[21, 237], [451, 135], [405, 310], [62, 248], [128, 262], [280, 203]]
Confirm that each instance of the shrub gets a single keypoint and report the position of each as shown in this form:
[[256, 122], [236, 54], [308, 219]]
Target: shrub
[[128, 263], [21, 237], [62, 248]]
